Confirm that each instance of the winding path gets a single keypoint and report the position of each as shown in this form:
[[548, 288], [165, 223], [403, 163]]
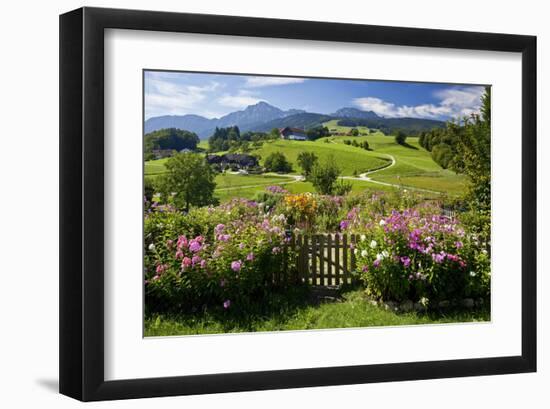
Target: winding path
[[362, 177]]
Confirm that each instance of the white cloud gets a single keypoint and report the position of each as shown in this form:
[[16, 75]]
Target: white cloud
[[165, 97], [454, 103], [257, 82], [241, 100]]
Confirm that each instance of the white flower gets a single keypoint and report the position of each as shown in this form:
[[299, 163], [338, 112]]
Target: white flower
[[424, 301], [356, 251], [382, 222], [472, 273], [484, 251], [385, 254], [364, 253], [379, 257], [363, 237], [152, 246], [373, 244]]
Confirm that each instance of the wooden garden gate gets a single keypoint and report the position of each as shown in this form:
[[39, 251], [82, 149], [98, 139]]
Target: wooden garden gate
[[325, 259]]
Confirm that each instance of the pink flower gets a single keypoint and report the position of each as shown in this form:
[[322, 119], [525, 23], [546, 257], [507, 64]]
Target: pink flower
[[203, 263], [182, 242], [161, 268], [227, 304], [276, 250], [179, 254], [250, 256], [223, 237], [459, 245], [219, 228], [196, 260], [241, 246], [186, 262], [236, 265], [169, 243]]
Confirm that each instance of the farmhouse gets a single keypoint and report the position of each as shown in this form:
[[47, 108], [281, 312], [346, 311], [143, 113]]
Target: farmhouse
[[296, 134], [239, 160]]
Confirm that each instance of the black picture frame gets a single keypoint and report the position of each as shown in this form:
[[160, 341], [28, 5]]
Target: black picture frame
[[81, 318]]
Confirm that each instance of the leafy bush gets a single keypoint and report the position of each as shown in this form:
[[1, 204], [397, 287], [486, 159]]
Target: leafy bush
[[277, 162], [417, 254], [212, 256]]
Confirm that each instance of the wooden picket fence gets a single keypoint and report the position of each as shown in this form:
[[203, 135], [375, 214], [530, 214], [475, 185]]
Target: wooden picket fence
[[324, 259]]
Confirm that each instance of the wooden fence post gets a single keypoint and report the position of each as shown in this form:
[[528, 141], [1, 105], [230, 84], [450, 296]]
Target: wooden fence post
[[321, 260], [345, 252], [314, 256], [353, 259], [337, 258]]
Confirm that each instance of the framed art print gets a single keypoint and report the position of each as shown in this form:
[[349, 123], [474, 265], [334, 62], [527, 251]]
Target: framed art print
[[254, 204]]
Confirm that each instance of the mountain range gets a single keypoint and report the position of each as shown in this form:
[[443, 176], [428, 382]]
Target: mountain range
[[264, 117]]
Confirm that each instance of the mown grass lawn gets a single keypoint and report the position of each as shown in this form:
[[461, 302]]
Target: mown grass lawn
[[295, 311]]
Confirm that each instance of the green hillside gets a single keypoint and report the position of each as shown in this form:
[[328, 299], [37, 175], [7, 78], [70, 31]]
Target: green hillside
[[414, 165], [350, 159]]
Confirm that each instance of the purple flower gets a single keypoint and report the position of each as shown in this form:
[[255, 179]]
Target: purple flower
[[194, 246], [438, 258], [406, 261], [203, 263], [196, 260], [250, 256], [236, 265], [459, 245], [241, 246], [219, 228], [224, 237], [227, 304], [344, 224], [365, 268], [376, 263]]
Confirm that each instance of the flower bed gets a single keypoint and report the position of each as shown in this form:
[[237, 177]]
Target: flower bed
[[419, 255], [222, 255]]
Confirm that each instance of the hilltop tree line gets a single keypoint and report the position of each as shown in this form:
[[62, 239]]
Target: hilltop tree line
[[169, 139]]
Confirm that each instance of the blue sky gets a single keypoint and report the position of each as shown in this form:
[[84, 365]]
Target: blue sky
[[215, 95]]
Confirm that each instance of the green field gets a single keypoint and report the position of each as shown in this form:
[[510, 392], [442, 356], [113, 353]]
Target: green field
[[350, 159], [413, 167]]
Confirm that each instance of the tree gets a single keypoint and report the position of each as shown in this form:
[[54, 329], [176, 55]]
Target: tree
[[473, 154], [442, 154], [307, 160], [354, 132], [324, 177], [400, 137], [170, 138], [190, 179], [277, 162]]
